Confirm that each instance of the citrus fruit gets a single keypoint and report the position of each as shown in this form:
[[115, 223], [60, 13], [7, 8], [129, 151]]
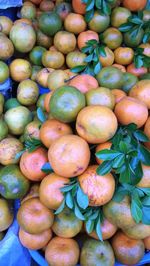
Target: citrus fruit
[[108, 59], [47, 101], [127, 251], [75, 58], [40, 101], [74, 23], [50, 194], [146, 47], [17, 118], [112, 37], [35, 241], [124, 55], [53, 59], [3, 129], [27, 92], [138, 231], [147, 242], [50, 23], [32, 162], [131, 41], [119, 16], [36, 55], [13, 184], [46, 5], [129, 81], [85, 36], [28, 10], [6, 214], [119, 94], [43, 40], [33, 192], [99, 22], [62, 249], [57, 79], [136, 71], [84, 82], [20, 69], [96, 124], [110, 77], [120, 67], [52, 130], [141, 91], [63, 9], [5, 24], [9, 147], [126, 111], [102, 146], [79, 7], [100, 96], [11, 103], [65, 42], [42, 76], [135, 5], [32, 130], [69, 155], [66, 102], [23, 37], [95, 252], [144, 182], [33, 217], [7, 48], [4, 72], [66, 224], [99, 189], [147, 132]]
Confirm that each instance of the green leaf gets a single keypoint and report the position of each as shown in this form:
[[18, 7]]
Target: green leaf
[[146, 37], [136, 174], [78, 69], [144, 155], [146, 191], [46, 168], [146, 201], [118, 161], [88, 58], [19, 154], [78, 213], [68, 188], [97, 68], [134, 32], [138, 61], [101, 51], [89, 226], [136, 210], [119, 195], [89, 15], [98, 230], [125, 176], [61, 207], [98, 4], [123, 147], [107, 154], [104, 168], [135, 20], [146, 215], [82, 199], [94, 215], [40, 114], [125, 27], [106, 8], [89, 5], [69, 200]]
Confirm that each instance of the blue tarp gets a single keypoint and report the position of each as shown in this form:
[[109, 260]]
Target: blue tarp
[[10, 3]]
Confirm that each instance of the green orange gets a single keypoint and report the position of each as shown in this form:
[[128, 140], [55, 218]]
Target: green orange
[[50, 23], [36, 55]]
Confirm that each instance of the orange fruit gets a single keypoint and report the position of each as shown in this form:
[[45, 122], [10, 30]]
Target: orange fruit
[[79, 7], [7, 48], [126, 111], [100, 96], [75, 58], [85, 36], [147, 242], [23, 20], [43, 40], [57, 79], [35, 241], [50, 194], [147, 132], [127, 251], [62, 249], [138, 231], [100, 147], [96, 124], [69, 155], [32, 162], [84, 82], [122, 68], [33, 217], [135, 5], [20, 69], [5, 24], [99, 22], [63, 9], [145, 181], [53, 59], [74, 23], [99, 189], [32, 130], [108, 59], [65, 41], [70, 73], [136, 71], [112, 37], [28, 10], [124, 55], [110, 77], [119, 16], [46, 5], [42, 77], [47, 101], [6, 214], [141, 91], [9, 147], [66, 224], [119, 94], [52, 130], [146, 47], [32, 193]]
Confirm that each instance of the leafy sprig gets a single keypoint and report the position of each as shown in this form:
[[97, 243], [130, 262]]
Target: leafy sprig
[[141, 60], [140, 201], [126, 155], [94, 50]]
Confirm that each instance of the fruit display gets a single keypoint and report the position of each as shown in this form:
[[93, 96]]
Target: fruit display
[[75, 135]]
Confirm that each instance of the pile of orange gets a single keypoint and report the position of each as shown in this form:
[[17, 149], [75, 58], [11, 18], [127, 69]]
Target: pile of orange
[[49, 140]]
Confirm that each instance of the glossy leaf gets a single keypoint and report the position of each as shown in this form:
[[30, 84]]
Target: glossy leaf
[[69, 200], [61, 207], [82, 198], [118, 161], [89, 5], [89, 226], [136, 210], [98, 230], [104, 168], [78, 69], [107, 154], [19, 154], [78, 213], [144, 155], [146, 215], [46, 168], [40, 114]]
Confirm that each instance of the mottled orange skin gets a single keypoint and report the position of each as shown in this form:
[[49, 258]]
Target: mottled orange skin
[[141, 91], [119, 94], [32, 193], [84, 83], [136, 71], [124, 55], [85, 36], [9, 147], [65, 41], [75, 23]]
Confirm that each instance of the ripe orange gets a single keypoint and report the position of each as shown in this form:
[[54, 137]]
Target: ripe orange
[[33, 217], [127, 251], [96, 124], [135, 5], [32, 162], [108, 59], [126, 111], [136, 71], [43, 40], [99, 189], [47, 100], [145, 181], [62, 250], [65, 41], [79, 7], [75, 58], [75, 23], [6, 214], [146, 47], [99, 22], [53, 59], [122, 68], [63, 9], [141, 91], [23, 20], [32, 193], [84, 82], [52, 130], [112, 37], [5, 24], [119, 94], [35, 241], [9, 147], [138, 231], [102, 146], [50, 194], [20, 69], [119, 16], [32, 130], [85, 36], [147, 132], [42, 76], [46, 5], [57, 79], [124, 55], [69, 155]]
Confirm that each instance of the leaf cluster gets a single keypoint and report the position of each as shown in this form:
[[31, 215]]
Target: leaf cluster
[[141, 60], [30, 145]]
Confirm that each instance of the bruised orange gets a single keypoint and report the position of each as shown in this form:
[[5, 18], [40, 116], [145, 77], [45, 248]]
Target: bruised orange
[[84, 83]]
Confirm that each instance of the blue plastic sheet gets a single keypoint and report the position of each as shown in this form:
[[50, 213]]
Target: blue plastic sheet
[[10, 3], [6, 88]]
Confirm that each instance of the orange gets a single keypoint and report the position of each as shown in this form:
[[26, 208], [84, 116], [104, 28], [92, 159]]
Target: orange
[[32, 130], [119, 94], [7, 48], [53, 59], [147, 242], [57, 79], [43, 40], [146, 47], [63, 9], [138, 231], [124, 55], [9, 147], [32, 193], [69, 155], [35, 241], [6, 214], [100, 147], [74, 23], [127, 251], [96, 124], [85, 36], [52, 130], [122, 68], [5, 24], [23, 20], [50, 194], [119, 16], [145, 181], [141, 91], [47, 100], [147, 132], [42, 76], [108, 59], [32, 162], [135, 5], [75, 58], [112, 37], [126, 111], [79, 7], [100, 96], [33, 217], [62, 250], [99, 189], [46, 5], [84, 83], [99, 22], [20, 69], [65, 41], [136, 71], [69, 72]]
